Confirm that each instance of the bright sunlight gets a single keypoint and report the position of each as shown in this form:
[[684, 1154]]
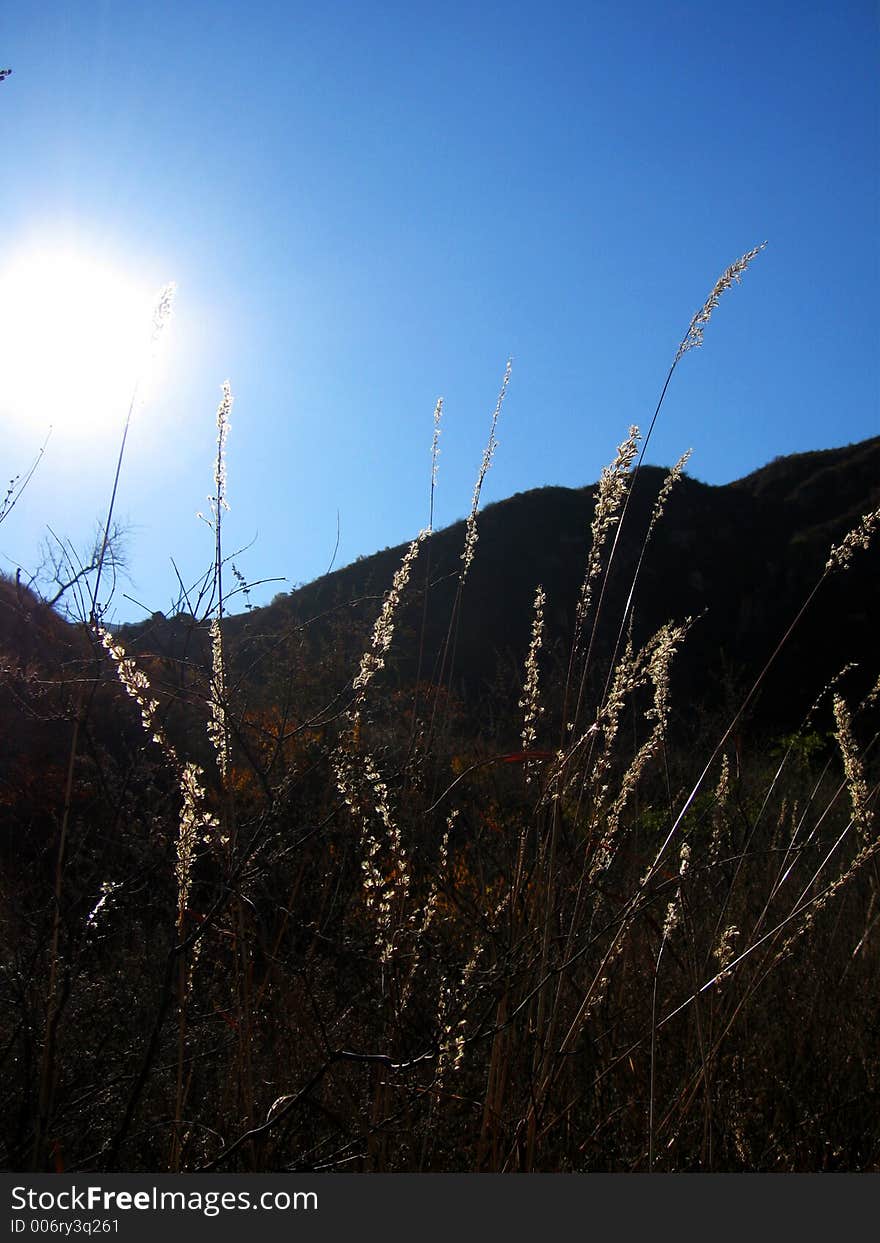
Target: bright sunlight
[[75, 340]]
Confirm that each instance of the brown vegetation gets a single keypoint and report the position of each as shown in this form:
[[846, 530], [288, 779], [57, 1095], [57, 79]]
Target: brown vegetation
[[265, 907]]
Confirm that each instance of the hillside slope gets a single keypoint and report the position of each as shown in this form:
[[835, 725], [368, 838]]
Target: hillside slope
[[740, 558]]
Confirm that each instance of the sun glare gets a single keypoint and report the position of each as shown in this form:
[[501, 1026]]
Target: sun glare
[[75, 340]]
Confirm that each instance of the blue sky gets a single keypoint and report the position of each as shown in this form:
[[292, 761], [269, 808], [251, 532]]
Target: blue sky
[[369, 205]]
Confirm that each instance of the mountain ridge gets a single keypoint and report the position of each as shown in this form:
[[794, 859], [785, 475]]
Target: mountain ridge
[[740, 556]]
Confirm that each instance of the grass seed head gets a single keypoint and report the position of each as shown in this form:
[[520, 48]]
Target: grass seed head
[[730, 276]]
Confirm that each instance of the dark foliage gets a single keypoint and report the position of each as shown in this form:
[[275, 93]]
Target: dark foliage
[[547, 985]]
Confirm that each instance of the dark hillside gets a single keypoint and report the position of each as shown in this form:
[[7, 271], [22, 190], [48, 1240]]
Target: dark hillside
[[741, 558]]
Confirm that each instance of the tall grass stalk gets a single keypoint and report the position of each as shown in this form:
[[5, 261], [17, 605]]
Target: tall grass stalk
[[446, 660]]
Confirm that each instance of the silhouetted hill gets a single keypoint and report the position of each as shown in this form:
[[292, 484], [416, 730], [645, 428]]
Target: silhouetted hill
[[741, 558]]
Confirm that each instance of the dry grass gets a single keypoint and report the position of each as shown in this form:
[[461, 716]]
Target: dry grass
[[387, 949]]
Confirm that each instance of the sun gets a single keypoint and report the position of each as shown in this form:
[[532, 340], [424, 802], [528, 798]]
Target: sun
[[75, 341]]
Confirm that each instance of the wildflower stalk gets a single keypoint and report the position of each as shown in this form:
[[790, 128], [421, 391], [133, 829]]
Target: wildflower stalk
[[373, 658], [531, 700], [218, 726], [17, 484], [692, 339], [361, 785], [854, 769], [435, 458], [860, 536], [670, 923], [447, 656], [470, 538], [219, 734], [611, 498]]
